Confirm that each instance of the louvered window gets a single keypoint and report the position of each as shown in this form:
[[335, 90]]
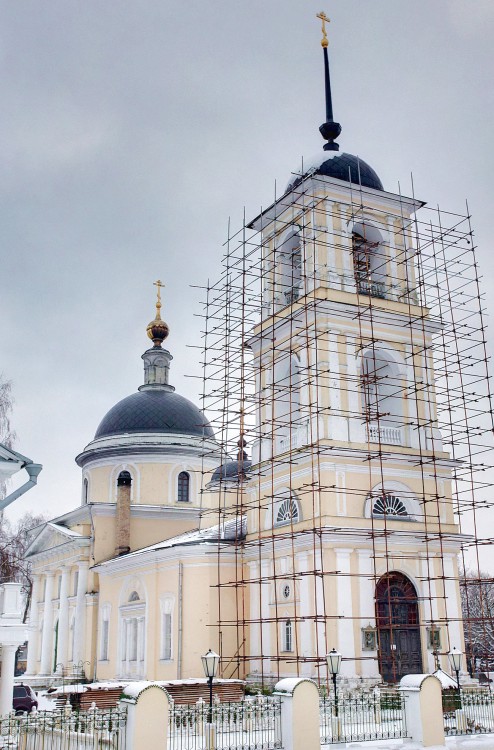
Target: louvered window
[[389, 505]]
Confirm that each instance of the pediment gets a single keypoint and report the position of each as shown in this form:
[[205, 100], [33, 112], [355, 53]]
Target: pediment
[[50, 537]]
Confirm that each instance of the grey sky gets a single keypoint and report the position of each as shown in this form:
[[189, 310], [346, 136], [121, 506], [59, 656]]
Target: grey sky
[[131, 130]]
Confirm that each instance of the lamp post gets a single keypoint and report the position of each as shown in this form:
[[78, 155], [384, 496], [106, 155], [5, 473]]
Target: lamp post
[[333, 660], [455, 658], [210, 663]]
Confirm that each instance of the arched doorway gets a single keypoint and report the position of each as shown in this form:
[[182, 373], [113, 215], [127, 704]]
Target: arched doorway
[[398, 626]]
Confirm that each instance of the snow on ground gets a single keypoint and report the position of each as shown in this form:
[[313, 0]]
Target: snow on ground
[[466, 742]]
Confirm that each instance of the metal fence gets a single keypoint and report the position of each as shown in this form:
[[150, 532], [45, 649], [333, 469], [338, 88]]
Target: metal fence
[[64, 729], [252, 724], [363, 716], [470, 712]]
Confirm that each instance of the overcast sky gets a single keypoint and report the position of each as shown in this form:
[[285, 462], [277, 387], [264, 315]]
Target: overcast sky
[[131, 130]]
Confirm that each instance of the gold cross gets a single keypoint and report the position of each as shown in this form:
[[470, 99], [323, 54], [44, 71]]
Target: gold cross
[[159, 284], [324, 19]]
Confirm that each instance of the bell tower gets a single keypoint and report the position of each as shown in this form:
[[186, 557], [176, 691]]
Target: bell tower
[[351, 539]]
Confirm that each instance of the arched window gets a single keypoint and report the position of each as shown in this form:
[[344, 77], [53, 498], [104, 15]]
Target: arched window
[[289, 263], [389, 505], [287, 512], [287, 636], [85, 491], [382, 395], [183, 487], [134, 597], [369, 260]]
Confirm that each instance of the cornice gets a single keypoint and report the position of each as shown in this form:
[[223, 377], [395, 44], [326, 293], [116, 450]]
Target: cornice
[[159, 444]]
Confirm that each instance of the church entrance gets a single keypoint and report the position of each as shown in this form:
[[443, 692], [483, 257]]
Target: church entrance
[[398, 627]]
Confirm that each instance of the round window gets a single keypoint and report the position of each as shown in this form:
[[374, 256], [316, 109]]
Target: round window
[[286, 591]]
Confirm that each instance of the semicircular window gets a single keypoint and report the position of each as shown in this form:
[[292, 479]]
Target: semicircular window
[[389, 505], [287, 512], [134, 597]]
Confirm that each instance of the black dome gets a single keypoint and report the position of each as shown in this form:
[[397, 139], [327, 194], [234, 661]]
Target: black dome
[[231, 470], [342, 166], [155, 411]]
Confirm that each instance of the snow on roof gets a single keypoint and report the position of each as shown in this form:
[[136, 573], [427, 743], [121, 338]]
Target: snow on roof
[[63, 529], [226, 532]]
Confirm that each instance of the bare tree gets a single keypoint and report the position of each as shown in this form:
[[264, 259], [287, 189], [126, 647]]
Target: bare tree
[[7, 434], [14, 540], [477, 602]]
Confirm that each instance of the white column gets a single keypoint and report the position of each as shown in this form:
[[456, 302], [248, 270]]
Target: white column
[[63, 619], [47, 634], [80, 613], [7, 681], [32, 648], [344, 608]]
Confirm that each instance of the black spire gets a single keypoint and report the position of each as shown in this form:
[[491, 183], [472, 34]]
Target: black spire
[[329, 129]]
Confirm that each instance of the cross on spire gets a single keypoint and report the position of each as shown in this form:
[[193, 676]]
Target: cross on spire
[[324, 19], [159, 284]]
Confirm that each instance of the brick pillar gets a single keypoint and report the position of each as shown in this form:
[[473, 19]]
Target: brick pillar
[[122, 536]]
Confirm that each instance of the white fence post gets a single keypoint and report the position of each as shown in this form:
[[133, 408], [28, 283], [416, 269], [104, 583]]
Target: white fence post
[[148, 706], [423, 708], [299, 713]]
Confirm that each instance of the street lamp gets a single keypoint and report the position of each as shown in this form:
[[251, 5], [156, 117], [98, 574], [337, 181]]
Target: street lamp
[[333, 660], [455, 658], [210, 663]]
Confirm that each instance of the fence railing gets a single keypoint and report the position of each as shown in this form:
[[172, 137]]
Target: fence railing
[[64, 729], [248, 725], [366, 716], [471, 712]]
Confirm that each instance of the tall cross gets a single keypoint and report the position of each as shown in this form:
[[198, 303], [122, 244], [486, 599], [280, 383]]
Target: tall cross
[[324, 19], [159, 284]]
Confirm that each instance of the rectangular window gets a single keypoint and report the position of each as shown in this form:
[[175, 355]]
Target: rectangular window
[[133, 639], [59, 586], [76, 581], [288, 639], [166, 636], [105, 629]]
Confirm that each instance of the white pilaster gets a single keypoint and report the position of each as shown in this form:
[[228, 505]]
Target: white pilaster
[[453, 608], [265, 613], [370, 667], [33, 645], [357, 428], [306, 635], [344, 608], [320, 612], [80, 613], [47, 634], [63, 619], [7, 681], [255, 628]]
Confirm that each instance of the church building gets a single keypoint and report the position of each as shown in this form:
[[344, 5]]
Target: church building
[[338, 531]]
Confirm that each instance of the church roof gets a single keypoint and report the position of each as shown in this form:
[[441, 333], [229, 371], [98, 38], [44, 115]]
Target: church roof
[[157, 411], [339, 166], [230, 531]]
